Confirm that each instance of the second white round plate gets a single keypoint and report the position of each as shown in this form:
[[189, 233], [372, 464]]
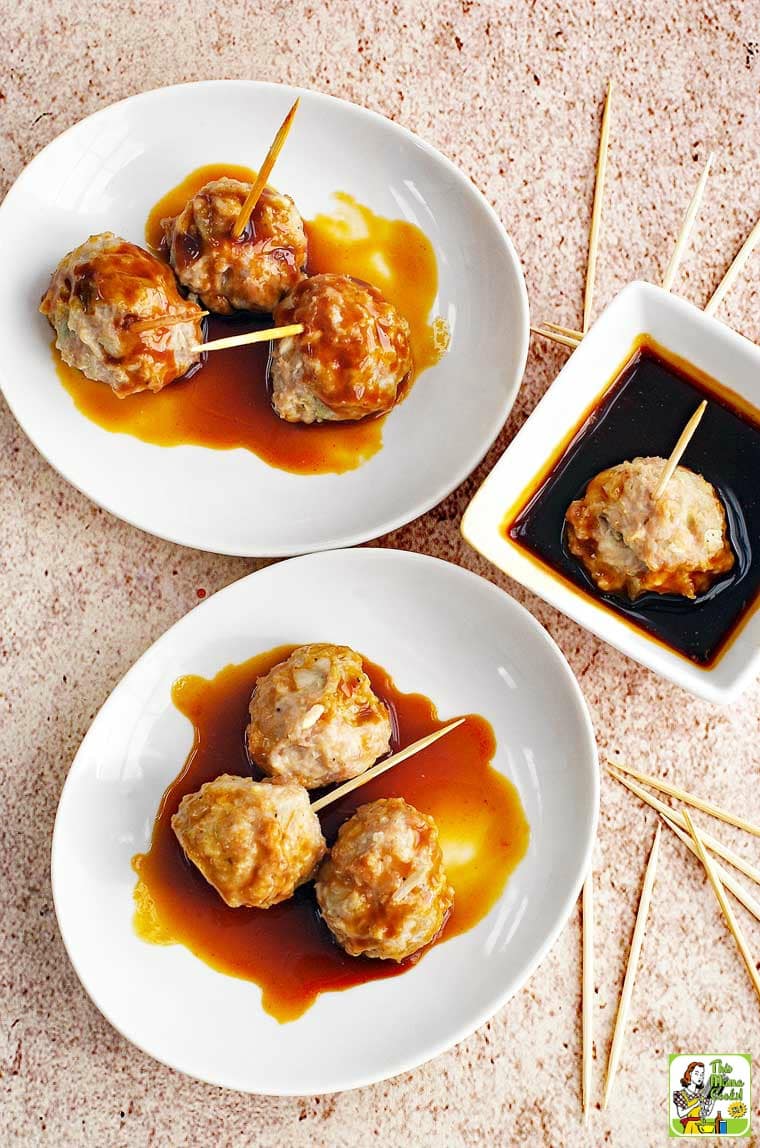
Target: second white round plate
[[438, 629], [106, 173]]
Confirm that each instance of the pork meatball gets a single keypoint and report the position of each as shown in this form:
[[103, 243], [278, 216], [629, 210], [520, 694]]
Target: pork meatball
[[315, 719], [99, 296], [350, 359], [382, 891], [251, 273], [629, 542], [254, 841]]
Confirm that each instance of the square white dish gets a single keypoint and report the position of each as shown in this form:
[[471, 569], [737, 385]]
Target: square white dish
[[713, 348]]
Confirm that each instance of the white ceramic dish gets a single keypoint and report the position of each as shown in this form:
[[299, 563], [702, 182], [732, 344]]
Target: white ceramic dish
[[106, 172], [438, 629], [713, 348]]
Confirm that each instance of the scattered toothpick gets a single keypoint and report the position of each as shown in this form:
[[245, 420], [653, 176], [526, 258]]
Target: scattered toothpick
[[736, 268], [376, 770], [633, 961], [728, 912], [588, 989], [251, 337], [261, 179], [596, 213], [556, 337], [686, 226], [690, 799], [742, 896], [678, 450], [568, 332], [735, 859]]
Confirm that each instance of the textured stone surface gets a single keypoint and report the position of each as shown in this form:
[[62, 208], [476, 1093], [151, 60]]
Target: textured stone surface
[[512, 92]]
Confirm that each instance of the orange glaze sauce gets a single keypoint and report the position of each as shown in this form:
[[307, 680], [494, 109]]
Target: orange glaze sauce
[[226, 404], [287, 950]]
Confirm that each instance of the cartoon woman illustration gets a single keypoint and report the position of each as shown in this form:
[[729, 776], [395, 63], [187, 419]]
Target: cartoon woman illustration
[[693, 1102]]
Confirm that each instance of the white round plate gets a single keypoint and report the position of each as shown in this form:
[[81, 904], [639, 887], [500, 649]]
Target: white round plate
[[439, 630], [106, 172]]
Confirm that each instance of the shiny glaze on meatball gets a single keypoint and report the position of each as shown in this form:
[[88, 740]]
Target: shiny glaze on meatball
[[251, 273], [382, 890], [349, 361], [98, 296], [315, 719], [631, 543], [254, 841]]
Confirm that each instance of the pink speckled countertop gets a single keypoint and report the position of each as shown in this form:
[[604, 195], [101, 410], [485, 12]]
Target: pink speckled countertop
[[512, 92]]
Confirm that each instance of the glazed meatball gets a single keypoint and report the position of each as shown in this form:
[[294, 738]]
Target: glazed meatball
[[382, 890], [251, 273], [350, 359], [254, 841], [629, 542], [315, 719], [99, 296]]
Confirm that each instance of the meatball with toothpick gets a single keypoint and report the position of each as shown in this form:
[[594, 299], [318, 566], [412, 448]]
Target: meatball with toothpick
[[249, 273], [631, 542], [107, 303], [350, 361], [254, 841]]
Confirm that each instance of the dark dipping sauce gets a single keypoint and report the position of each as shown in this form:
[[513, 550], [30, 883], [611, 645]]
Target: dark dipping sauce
[[287, 949], [225, 403], [642, 413]]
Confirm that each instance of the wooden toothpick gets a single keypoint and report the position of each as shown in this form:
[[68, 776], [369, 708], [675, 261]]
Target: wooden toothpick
[[686, 226], [376, 770], [734, 270], [691, 799], [633, 961], [596, 213], [678, 450], [264, 172], [251, 337]]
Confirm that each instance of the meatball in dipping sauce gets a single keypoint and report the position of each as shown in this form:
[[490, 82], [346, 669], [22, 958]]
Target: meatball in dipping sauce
[[350, 359], [99, 298], [383, 891], [249, 273], [254, 841], [315, 719], [630, 542]]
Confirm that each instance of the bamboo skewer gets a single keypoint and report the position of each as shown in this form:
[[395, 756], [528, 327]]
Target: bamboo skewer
[[713, 843], [376, 770], [251, 337], [264, 172], [686, 227], [737, 266], [691, 799], [588, 989], [143, 325], [742, 896], [633, 961], [556, 337], [596, 212], [728, 912], [675, 457]]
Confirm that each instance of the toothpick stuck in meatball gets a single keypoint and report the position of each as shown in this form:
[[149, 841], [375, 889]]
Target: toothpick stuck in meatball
[[382, 891], [630, 543], [351, 358], [315, 718], [251, 273], [101, 296], [254, 841]]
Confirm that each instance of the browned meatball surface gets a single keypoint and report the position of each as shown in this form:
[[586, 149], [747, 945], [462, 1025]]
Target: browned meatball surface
[[254, 841], [315, 718], [251, 273], [382, 890], [99, 295], [630, 542], [349, 361]]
